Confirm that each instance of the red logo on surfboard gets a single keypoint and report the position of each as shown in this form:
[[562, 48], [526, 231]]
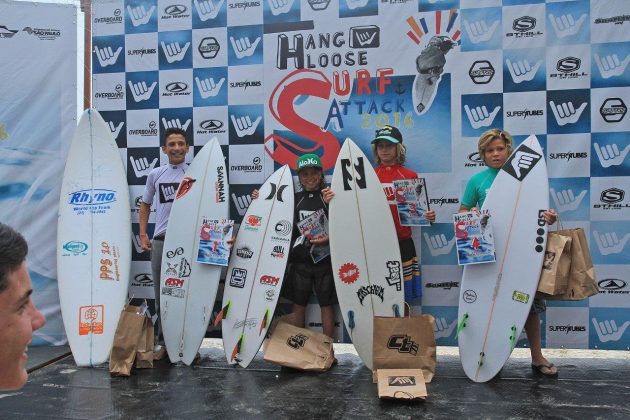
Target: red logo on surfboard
[[349, 273], [184, 186], [269, 280], [172, 282], [91, 319], [253, 220]]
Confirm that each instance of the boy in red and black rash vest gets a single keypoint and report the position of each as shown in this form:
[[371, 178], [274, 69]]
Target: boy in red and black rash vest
[[389, 154]]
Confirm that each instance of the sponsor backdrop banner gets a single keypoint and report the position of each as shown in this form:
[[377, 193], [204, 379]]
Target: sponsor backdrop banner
[[38, 86], [273, 79]]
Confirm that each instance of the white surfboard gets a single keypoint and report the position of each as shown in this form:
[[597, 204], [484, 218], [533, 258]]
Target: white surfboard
[[93, 241], [495, 298], [188, 288], [256, 271], [364, 249]]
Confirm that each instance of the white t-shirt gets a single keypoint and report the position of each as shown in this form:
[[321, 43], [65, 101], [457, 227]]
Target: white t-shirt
[[164, 181]]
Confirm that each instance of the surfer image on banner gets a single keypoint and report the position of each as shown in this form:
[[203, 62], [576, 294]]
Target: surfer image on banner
[[309, 265], [495, 146], [430, 65], [162, 184]]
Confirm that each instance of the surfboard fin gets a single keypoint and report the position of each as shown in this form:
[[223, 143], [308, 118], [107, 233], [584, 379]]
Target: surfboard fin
[[481, 356], [513, 337], [237, 348], [461, 324], [222, 314], [263, 324], [396, 310], [351, 320]]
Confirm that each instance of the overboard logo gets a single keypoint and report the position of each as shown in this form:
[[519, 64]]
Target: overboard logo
[[95, 201], [109, 20], [75, 247], [613, 110]]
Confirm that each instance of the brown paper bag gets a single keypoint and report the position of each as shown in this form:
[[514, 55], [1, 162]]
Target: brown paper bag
[[144, 352], [554, 276], [582, 281], [403, 384], [126, 339], [404, 343], [299, 348]]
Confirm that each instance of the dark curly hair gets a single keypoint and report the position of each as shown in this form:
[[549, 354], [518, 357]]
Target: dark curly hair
[[13, 250]]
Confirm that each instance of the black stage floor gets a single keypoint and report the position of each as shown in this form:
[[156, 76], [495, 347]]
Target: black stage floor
[[591, 384]]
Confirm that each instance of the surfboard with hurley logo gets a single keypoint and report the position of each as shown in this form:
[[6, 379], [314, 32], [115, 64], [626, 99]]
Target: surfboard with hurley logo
[[256, 270]]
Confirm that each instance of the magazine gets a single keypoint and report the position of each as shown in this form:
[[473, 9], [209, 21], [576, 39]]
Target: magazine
[[412, 201], [314, 226], [474, 239], [213, 241]]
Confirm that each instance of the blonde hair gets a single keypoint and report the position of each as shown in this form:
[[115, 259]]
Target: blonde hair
[[491, 135], [401, 153]]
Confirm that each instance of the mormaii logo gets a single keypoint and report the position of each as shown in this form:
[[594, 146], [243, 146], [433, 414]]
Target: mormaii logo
[[93, 197], [481, 72], [318, 4]]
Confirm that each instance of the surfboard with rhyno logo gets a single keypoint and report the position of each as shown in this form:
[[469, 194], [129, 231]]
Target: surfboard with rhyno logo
[[93, 241], [495, 298], [256, 269], [364, 248], [188, 288]]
